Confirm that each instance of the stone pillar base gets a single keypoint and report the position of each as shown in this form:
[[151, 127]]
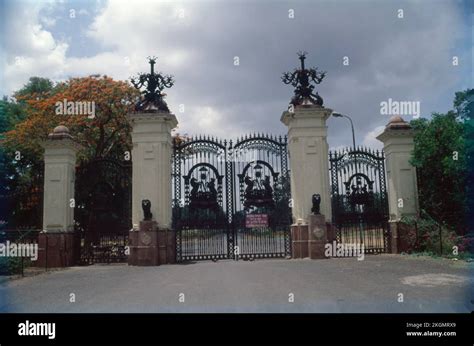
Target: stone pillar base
[[398, 237], [299, 241], [318, 236], [151, 246], [56, 249], [309, 240]]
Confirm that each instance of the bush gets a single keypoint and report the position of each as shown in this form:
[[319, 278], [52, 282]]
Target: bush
[[13, 265], [423, 236]]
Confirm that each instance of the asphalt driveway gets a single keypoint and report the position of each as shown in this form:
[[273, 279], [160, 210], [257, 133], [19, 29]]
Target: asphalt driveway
[[379, 283]]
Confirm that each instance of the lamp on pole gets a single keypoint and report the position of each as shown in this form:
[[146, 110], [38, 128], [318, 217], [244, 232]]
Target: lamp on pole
[[339, 115]]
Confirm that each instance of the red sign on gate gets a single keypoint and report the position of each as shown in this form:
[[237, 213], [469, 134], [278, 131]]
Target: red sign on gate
[[256, 220]]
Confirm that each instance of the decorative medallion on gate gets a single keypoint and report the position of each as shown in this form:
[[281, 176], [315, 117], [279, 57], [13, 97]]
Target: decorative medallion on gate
[[359, 190], [258, 188], [204, 192]]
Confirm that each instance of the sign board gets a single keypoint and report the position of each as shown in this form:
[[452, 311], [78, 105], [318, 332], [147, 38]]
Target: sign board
[[256, 220]]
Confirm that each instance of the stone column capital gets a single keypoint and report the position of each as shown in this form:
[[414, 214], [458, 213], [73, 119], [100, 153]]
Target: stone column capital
[[397, 130], [153, 118], [60, 139], [303, 116], [63, 143]]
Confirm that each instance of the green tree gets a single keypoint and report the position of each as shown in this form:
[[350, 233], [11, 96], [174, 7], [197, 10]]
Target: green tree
[[15, 174], [37, 88], [441, 157]]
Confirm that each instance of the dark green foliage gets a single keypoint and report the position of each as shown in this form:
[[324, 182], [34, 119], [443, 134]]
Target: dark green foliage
[[441, 155]]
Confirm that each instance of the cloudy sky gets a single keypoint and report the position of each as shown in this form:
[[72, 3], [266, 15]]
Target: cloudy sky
[[405, 59]]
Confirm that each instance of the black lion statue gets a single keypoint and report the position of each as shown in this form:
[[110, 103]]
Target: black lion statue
[[146, 206], [316, 204]]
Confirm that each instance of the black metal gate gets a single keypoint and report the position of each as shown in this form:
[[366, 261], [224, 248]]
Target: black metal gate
[[359, 198], [103, 209], [231, 201]]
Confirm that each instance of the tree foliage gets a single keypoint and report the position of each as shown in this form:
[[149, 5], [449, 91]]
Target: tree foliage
[[26, 121], [105, 135], [441, 155]]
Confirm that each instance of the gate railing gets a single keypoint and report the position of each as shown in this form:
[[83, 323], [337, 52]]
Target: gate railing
[[359, 198], [103, 210], [217, 183]]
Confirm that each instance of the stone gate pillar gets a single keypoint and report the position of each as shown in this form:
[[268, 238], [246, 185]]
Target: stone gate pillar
[[402, 188], [151, 156], [56, 241], [151, 240], [309, 166]]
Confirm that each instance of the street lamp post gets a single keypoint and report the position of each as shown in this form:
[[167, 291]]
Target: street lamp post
[[339, 115]]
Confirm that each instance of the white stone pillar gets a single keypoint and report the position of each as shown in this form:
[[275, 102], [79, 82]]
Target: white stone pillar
[[59, 176], [309, 167], [402, 186], [151, 156]]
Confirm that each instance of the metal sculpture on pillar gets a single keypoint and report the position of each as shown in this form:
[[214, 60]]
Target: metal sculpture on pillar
[[301, 79], [153, 97]]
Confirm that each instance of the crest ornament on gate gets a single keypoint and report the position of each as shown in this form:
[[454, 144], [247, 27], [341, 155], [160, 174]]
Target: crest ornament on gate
[[360, 193], [203, 190], [258, 191]]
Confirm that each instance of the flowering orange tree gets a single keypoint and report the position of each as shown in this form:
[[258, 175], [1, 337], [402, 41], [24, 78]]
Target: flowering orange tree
[[103, 133]]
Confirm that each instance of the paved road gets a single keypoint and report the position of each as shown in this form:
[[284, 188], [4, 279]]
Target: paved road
[[333, 285]]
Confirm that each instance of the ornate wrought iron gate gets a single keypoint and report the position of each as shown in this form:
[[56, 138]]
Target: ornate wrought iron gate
[[359, 198], [231, 201], [103, 209]]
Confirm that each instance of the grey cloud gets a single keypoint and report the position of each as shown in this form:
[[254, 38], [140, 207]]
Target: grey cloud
[[389, 57]]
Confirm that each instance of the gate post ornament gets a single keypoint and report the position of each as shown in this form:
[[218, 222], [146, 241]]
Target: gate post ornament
[[302, 80], [153, 96]]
